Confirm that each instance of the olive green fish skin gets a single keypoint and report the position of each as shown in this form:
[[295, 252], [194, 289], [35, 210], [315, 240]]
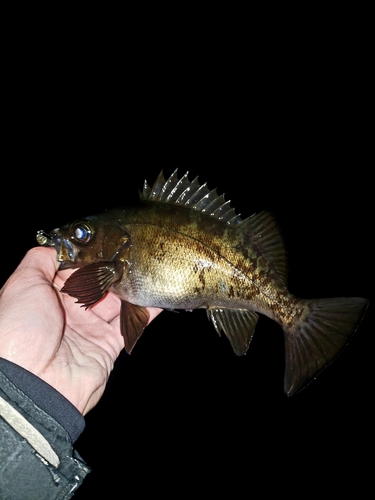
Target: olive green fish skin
[[176, 258], [184, 247]]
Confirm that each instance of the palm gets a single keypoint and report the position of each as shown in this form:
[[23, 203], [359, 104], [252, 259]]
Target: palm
[[86, 345], [46, 332]]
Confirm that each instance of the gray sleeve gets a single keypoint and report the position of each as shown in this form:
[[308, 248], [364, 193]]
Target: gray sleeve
[[37, 457]]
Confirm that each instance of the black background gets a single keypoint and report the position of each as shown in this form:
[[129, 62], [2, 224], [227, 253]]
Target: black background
[[286, 133]]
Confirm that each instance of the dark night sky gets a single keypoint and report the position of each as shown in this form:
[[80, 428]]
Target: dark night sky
[[183, 402]]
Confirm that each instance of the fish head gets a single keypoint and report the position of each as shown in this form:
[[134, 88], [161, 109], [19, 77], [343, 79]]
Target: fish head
[[86, 241]]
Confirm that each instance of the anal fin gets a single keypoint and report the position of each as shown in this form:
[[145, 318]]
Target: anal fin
[[237, 324], [133, 320]]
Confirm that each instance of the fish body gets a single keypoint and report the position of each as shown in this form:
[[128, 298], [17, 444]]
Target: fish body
[[184, 247]]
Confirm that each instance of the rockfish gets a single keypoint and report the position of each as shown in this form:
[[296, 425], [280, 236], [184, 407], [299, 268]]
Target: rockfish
[[184, 247]]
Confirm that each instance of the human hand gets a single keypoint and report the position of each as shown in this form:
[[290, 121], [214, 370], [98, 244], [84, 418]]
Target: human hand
[[49, 334]]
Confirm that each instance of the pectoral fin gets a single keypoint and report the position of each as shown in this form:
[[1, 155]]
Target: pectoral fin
[[134, 320], [89, 283], [237, 324]]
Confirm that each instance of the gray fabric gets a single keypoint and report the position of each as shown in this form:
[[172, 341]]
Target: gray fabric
[[24, 472], [46, 397]]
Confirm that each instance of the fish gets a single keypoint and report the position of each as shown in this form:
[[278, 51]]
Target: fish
[[184, 247]]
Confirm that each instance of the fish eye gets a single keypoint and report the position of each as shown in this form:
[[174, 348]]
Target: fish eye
[[82, 232]]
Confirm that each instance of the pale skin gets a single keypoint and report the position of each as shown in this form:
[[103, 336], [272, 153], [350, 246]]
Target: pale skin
[[49, 334]]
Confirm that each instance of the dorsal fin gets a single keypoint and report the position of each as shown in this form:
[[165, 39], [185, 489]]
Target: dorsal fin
[[263, 231], [190, 194]]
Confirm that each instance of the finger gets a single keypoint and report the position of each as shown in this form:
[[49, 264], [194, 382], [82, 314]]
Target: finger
[[153, 312], [108, 308], [38, 260], [61, 277]]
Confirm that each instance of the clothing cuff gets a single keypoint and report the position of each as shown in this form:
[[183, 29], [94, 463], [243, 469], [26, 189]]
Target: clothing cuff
[[37, 457], [45, 397]]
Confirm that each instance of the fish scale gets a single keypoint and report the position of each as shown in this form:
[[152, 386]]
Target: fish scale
[[184, 247]]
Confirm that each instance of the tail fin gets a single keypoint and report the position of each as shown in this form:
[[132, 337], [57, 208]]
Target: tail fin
[[323, 330]]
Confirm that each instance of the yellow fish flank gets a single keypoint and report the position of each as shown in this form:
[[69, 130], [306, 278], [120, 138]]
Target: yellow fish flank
[[184, 247]]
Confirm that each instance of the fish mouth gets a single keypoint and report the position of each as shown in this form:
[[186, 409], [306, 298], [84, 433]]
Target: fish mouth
[[66, 251]]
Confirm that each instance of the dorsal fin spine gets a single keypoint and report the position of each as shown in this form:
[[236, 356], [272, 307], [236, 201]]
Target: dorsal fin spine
[[193, 195]]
